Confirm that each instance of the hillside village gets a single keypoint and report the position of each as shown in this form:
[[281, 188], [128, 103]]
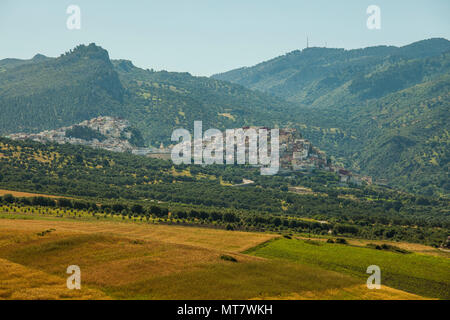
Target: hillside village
[[109, 133], [115, 134], [298, 154]]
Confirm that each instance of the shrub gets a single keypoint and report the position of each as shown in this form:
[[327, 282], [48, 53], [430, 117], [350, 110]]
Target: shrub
[[387, 247], [25, 201], [64, 203], [79, 205], [216, 216], [228, 258], [137, 208], [9, 198], [229, 217], [43, 201], [159, 212], [313, 242], [180, 214], [43, 233], [117, 207], [341, 241]]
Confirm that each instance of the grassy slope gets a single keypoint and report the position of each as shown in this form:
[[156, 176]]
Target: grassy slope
[[124, 260], [22, 283], [20, 194], [420, 274]]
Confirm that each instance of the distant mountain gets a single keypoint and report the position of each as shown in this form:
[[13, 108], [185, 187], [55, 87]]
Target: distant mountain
[[305, 76], [49, 93], [162, 101], [45, 93], [382, 110], [11, 63]]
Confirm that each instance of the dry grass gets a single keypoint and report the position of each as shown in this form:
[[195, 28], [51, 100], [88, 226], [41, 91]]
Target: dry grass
[[109, 260], [350, 293], [21, 283], [233, 241], [412, 247], [140, 261], [112, 255], [20, 194]]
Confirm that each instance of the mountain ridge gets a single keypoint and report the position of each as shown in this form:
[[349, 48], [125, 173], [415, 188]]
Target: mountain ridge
[[372, 108], [356, 105], [49, 93], [419, 49]]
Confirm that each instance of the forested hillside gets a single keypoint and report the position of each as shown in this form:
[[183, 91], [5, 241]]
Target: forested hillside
[[305, 76], [163, 101], [48, 93], [209, 193], [383, 111]]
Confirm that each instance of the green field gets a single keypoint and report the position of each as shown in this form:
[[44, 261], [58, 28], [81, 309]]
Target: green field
[[133, 260], [416, 273]]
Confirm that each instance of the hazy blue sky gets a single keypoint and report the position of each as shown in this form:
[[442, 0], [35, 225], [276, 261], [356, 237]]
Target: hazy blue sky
[[209, 36]]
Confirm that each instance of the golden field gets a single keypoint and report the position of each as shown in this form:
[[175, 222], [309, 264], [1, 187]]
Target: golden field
[[149, 261], [20, 194]]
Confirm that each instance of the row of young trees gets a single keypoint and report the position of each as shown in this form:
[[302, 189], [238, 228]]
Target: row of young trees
[[239, 220], [123, 182], [119, 208]]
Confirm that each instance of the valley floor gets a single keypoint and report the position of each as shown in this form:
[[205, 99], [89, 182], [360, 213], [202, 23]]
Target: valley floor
[[145, 261]]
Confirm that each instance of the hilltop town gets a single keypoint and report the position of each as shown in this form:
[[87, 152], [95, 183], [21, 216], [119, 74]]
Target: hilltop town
[[297, 154]]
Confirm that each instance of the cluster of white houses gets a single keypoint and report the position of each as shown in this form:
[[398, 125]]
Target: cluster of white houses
[[296, 153], [113, 129]]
